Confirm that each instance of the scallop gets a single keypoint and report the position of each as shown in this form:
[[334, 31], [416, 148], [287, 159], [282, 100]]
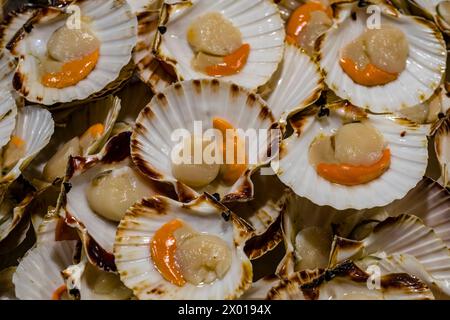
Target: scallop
[[209, 257], [406, 142], [60, 61], [257, 25], [414, 47]]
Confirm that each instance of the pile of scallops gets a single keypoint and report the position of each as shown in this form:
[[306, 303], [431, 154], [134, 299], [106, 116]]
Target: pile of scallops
[[346, 198]]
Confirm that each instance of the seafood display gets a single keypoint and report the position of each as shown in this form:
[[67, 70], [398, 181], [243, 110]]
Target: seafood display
[[229, 149]]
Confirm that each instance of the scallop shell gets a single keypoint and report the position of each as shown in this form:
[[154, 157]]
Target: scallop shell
[[298, 214], [409, 158], [179, 107], [115, 26], [133, 257], [402, 263], [74, 123], [35, 126], [261, 288], [263, 213], [150, 69], [297, 84], [97, 233], [404, 234], [348, 281], [422, 76], [39, 273], [258, 20], [429, 9], [8, 114], [442, 148]]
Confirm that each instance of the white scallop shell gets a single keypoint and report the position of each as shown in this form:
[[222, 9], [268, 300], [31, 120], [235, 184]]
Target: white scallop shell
[[8, 113], [347, 282], [35, 126], [297, 84], [430, 202], [133, 257], [39, 273], [115, 26], [442, 148], [422, 76], [258, 20], [409, 157], [179, 107], [75, 123], [95, 230], [404, 234]]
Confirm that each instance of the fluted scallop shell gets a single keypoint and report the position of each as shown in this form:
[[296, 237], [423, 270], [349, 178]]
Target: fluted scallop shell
[[179, 107], [348, 282], [296, 85], [409, 157], [134, 262], [442, 148], [258, 20], [424, 70], [115, 26], [97, 232], [261, 288], [150, 69], [263, 213], [75, 123], [404, 234], [8, 113], [135, 96], [39, 272], [402, 263], [429, 9], [298, 214], [35, 126]]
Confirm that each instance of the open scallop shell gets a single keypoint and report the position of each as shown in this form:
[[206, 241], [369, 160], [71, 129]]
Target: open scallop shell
[[429, 9], [348, 282], [409, 157], [35, 126], [258, 20], [422, 76], [97, 233], [75, 123], [296, 85], [8, 113], [404, 234], [39, 273], [299, 214], [114, 25], [179, 107], [135, 233]]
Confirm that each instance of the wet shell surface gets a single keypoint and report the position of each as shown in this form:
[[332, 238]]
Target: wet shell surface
[[297, 84], [442, 149], [425, 65], [409, 157], [259, 22], [134, 260], [179, 107], [114, 25], [38, 275]]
